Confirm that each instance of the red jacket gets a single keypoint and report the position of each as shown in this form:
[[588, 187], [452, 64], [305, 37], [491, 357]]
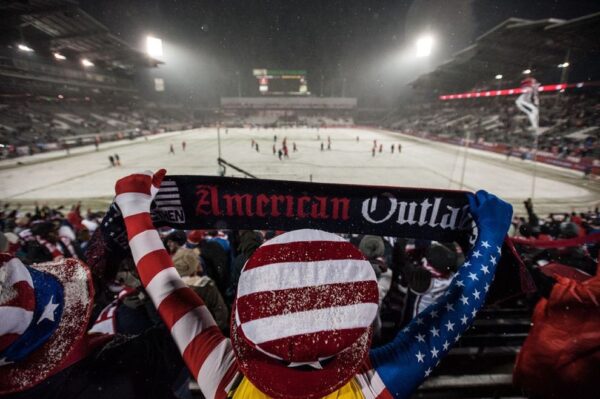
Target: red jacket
[[561, 356]]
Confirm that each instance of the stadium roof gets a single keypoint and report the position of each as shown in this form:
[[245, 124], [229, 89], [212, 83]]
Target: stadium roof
[[512, 46], [61, 26]]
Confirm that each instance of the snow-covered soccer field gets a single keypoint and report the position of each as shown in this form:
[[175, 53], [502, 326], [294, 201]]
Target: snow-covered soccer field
[[87, 174]]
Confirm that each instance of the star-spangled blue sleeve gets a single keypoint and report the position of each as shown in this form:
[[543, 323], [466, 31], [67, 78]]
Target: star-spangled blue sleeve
[[404, 363]]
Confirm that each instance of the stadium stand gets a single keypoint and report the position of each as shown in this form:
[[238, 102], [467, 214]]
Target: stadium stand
[[556, 51], [51, 100]]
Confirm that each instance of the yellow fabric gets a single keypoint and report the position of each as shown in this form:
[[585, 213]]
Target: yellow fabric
[[248, 391]]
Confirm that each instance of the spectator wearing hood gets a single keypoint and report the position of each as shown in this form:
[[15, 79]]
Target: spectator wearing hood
[[249, 241], [187, 263]]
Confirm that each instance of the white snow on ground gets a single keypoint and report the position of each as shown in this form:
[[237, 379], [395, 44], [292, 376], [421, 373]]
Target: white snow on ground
[[87, 174]]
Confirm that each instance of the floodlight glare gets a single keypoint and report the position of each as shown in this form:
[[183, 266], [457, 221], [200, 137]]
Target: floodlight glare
[[25, 48], [424, 45], [59, 56], [154, 46], [564, 65], [87, 63], [498, 76], [526, 71]]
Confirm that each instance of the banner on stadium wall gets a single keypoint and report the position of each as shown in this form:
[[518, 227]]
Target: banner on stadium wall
[[210, 202]]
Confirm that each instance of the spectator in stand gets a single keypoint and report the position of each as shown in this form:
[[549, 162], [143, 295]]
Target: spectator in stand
[[249, 241], [187, 264]]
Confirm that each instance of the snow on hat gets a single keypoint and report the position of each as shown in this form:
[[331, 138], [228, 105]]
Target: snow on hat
[[301, 321], [44, 311]]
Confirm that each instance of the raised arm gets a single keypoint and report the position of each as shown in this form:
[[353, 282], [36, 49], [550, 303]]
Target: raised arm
[[206, 352], [404, 363]]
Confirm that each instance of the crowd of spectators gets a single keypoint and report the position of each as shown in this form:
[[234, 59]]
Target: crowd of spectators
[[569, 122], [211, 261], [411, 274], [43, 124]]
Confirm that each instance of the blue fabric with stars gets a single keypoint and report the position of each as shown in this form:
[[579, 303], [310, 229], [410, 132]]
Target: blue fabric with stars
[[405, 362], [49, 299]]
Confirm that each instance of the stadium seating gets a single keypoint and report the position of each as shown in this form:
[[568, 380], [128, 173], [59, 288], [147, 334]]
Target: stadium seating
[[569, 123]]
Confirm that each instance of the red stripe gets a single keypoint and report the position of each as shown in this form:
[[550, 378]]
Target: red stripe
[[302, 348], [385, 394], [152, 263], [226, 380], [177, 304], [25, 297], [134, 184], [138, 224], [200, 347], [273, 303], [7, 339], [303, 251]]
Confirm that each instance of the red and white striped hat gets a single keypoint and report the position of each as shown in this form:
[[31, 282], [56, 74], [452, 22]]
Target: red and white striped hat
[[301, 321]]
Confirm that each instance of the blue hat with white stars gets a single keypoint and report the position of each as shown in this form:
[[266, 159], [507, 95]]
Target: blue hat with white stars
[[44, 310]]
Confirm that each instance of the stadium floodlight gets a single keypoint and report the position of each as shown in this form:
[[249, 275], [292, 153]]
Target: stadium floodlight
[[87, 63], [24, 48], [526, 71], [424, 45], [59, 56], [564, 65], [154, 46], [499, 76]]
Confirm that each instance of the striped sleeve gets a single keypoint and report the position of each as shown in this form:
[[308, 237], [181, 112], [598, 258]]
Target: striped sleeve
[[206, 352]]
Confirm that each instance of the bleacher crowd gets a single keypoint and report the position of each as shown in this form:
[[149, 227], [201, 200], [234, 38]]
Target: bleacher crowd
[[569, 122], [42, 124], [136, 355]]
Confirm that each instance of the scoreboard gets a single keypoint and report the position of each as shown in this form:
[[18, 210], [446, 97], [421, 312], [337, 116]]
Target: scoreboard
[[282, 82]]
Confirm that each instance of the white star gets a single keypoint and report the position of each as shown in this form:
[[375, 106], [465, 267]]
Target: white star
[[474, 313], [493, 260], [48, 311], [464, 300], [420, 338], [476, 294], [485, 244], [464, 319], [449, 307], [420, 321], [3, 361], [435, 332], [477, 254], [420, 357], [434, 352], [457, 338], [450, 326], [434, 314], [485, 269], [473, 276], [487, 287], [427, 372], [499, 249], [446, 345], [405, 329], [467, 263], [460, 283]]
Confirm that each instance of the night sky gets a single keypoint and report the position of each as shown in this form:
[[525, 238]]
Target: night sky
[[361, 42]]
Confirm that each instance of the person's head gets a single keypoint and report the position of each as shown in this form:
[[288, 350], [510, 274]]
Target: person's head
[[187, 262], [441, 258], [301, 320], [46, 230], [569, 230], [372, 247], [175, 240]]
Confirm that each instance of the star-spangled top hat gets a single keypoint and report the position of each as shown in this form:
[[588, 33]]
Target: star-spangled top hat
[[301, 323], [44, 311]]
